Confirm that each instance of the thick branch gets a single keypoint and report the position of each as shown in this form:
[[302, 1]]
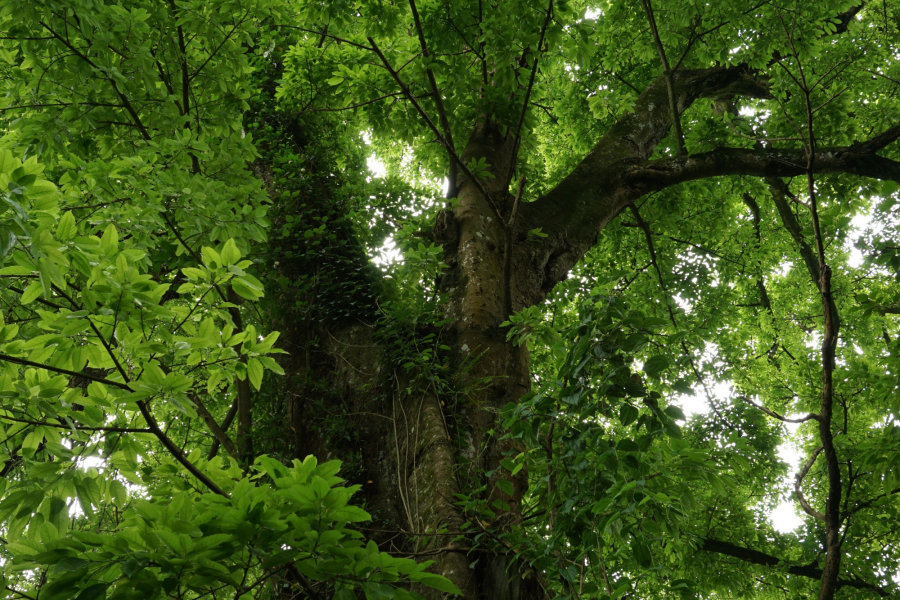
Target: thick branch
[[217, 431], [651, 176], [226, 423], [580, 206], [781, 195], [767, 560]]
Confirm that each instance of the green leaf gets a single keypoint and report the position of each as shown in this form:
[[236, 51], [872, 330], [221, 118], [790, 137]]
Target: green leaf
[[246, 290], [438, 583], [641, 553], [505, 486], [93, 592], [66, 229], [32, 292], [628, 414], [255, 372], [230, 253], [109, 243], [655, 365]]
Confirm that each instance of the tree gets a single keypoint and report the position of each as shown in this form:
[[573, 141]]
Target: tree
[[641, 201]]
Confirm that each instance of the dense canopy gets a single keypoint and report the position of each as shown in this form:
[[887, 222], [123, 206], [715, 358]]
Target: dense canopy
[[427, 298]]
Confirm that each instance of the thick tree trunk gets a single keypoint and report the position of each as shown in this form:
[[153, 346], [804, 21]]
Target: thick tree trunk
[[491, 372]]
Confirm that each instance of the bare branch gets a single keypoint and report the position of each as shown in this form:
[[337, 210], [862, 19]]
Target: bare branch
[[667, 73], [775, 415], [798, 482]]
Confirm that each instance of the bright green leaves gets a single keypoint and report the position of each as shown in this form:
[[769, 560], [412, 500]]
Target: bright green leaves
[[185, 543], [29, 205], [66, 228], [33, 290], [528, 327], [223, 269], [480, 168], [95, 332], [255, 372]]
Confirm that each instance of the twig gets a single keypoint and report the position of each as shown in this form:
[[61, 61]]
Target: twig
[[518, 137], [77, 427]]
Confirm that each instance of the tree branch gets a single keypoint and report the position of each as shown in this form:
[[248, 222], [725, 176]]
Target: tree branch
[[573, 213], [667, 74], [217, 431], [438, 101], [650, 176], [798, 490], [28, 363], [518, 136], [125, 102], [767, 560], [226, 423], [775, 415], [145, 412], [868, 503], [77, 427]]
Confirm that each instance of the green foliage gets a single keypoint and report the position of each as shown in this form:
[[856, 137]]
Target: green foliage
[[148, 152], [174, 543], [130, 315], [720, 298]]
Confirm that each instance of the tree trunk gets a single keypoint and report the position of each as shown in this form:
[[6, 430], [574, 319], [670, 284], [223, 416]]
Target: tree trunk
[[417, 455]]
